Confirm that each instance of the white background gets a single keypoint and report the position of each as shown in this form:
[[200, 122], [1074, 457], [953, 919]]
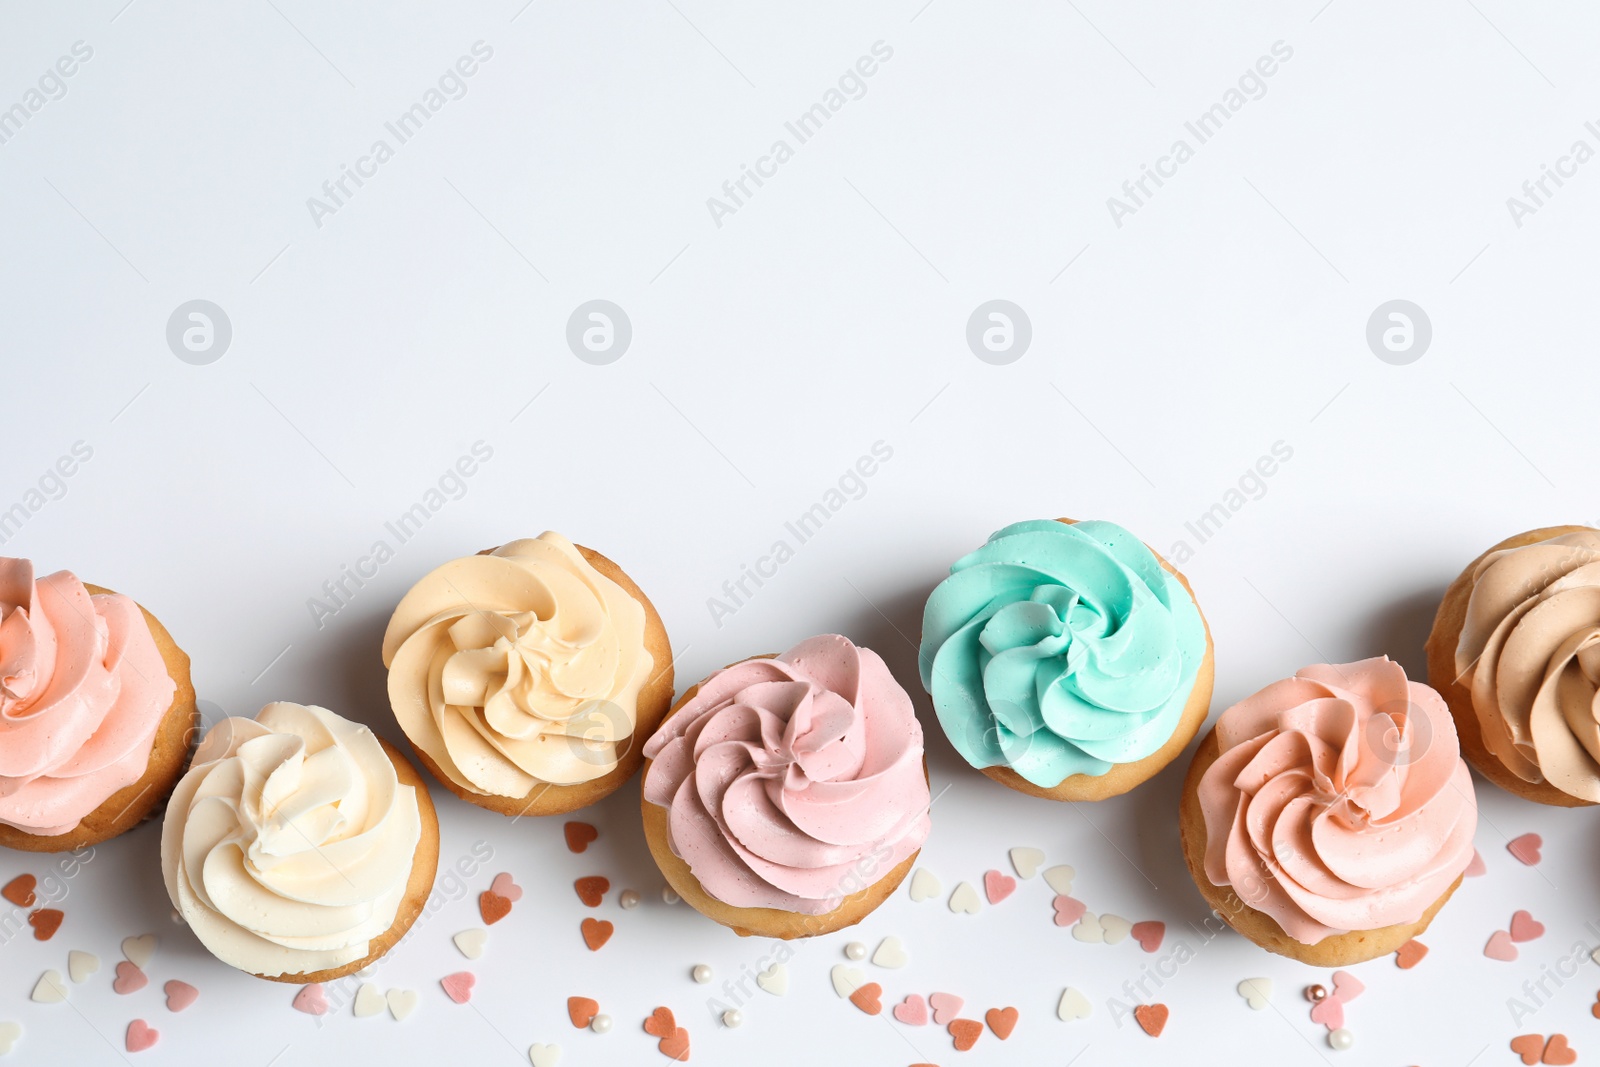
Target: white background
[[770, 352]]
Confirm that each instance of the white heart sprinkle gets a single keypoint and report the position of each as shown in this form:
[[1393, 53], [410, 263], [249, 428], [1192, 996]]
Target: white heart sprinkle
[[1116, 928], [1025, 861], [369, 1001], [10, 1034], [402, 1002], [924, 886], [1089, 929], [81, 965], [1059, 879], [541, 1055], [964, 899], [50, 989], [846, 980], [1256, 992], [891, 953], [1073, 1005], [471, 942], [774, 979], [139, 949]]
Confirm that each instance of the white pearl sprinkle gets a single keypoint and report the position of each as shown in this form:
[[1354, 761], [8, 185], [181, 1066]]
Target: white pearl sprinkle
[[629, 898], [1341, 1039], [701, 973], [731, 1019], [855, 950], [668, 895], [600, 1024]]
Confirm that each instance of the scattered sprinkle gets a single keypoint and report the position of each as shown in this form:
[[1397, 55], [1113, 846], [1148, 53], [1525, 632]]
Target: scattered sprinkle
[[402, 1002], [1257, 992], [1476, 867], [964, 900], [869, 998], [458, 986], [1341, 1039], [965, 1033], [1089, 929], [1524, 927], [369, 1001], [701, 973], [80, 965], [542, 1055], [1026, 861], [180, 995], [1068, 910], [1116, 928], [1410, 954], [20, 890], [506, 886], [130, 978], [312, 999], [924, 885], [1059, 879], [1149, 934], [998, 886], [1526, 848], [493, 907], [582, 1011], [579, 834], [139, 951], [845, 979], [775, 979], [674, 1039], [1002, 1021], [49, 989], [945, 1007], [471, 943], [890, 953], [600, 1024], [629, 898], [141, 1035], [45, 923], [1152, 1018], [1315, 993], [10, 1034], [1500, 947], [1072, 1005], [732, 1018], [913, 1011], [855, 950], [596, 932], [592, 889], [669, 895]]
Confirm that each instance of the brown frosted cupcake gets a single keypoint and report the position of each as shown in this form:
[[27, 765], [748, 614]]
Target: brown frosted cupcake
[[1329, 817], [299, 847], [786, 796], [1515, 650], [96, 711], [528, 677]]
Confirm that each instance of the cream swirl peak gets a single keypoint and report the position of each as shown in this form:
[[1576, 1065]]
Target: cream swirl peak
[[789, 782], [518, 667], [1529, 653], [1339, 800], [83, 690], [1059, 649], [288, 845]]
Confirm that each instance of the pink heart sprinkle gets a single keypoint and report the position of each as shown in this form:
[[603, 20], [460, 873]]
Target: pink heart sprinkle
[[1500, 947], [180, 995], [1347, 987], [504, 886], [1476, 867], [945, 1007], [1069, 910], [1329, 1011], [913, 1011], [458, 986], [313, 1000], [130, 979], [141, 1036], [1526, 848], [998, 886], [1149, 934], [1525, 927]]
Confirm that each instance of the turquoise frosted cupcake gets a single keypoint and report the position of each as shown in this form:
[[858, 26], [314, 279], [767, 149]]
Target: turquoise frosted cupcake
[[1066, 659]]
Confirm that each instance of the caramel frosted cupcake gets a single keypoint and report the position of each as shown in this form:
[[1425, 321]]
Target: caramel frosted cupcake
[[528, 677], [1515, 650], [299, 847], [1329, 816], [1066, 660], [96, 711], [786, 796]]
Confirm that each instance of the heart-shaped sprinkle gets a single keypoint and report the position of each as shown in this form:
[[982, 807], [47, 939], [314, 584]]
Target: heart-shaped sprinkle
[[541, 1055], [1089, 929], [493, 907], [1346, 986], [675, 1046], [313, 1000], [1059, 879], [1115, 928], [141, 1036], [507, 887], [924, 886], [50, 989], [660, 1022], [10, 1034], [1257, 992], [471, 942], [81, 965], [1410, 954], [1149, 934], [582, 1010], [774, 979], [965, 1033], [998, 886], [1594, 1009], [139, 950], [964, 900], [180, 995], [913, 1011], [45, 923], [458, 986], [1529, 1046], [869, 998], [945, 1007], [1329, 1012], [596, 932], [1025, 861], [592, 889], [369, 1001], [1500, 947], [1558, 1053], [130, 979], [1068, 910], [1526, 848], [1152, 1018], [846, 980], [402, 1002], [1525, 927], [1475, 866], [1072, 1005], [1002, 1021], [20, 890], [579, 835], [890, 953]]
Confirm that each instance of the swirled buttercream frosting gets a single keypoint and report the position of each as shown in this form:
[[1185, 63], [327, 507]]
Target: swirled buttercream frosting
[[792, 782], [288, 844], [83, 690], [518, 667], [1059, 649], [1339, 800]]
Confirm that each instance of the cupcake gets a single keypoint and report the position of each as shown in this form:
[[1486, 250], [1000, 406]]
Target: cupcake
[[299, 846], [1066, 660], [786, 796], [1328, 817], [96, 711], [528, 677], [1515, 651]]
